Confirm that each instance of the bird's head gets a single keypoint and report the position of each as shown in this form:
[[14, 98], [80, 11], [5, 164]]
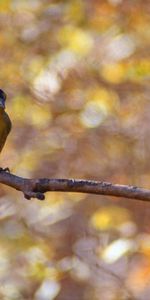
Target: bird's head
[[2, 99]]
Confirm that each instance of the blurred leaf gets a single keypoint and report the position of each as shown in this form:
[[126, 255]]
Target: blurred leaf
[[5, 5], [111, 217], [75, 39], [116, 250], [114, 73]]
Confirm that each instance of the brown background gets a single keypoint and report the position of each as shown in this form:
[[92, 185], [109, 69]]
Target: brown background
[[77, 78]]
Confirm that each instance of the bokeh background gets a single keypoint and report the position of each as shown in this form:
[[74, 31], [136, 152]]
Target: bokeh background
[[76, 74]]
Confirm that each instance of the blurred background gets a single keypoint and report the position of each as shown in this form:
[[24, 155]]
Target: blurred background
[[76, 74]]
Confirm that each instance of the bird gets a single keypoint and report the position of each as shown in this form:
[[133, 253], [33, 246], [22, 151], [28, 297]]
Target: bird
[[5, 123]]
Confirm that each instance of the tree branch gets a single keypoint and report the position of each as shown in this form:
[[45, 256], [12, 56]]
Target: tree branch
[[35, 188]]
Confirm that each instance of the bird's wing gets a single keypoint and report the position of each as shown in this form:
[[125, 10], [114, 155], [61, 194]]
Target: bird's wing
[[8, 122]]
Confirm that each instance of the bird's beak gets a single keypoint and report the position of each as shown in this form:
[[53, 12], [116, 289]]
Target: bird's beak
[[2, 103]]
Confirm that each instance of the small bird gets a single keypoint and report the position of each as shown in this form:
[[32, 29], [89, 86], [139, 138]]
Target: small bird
[[5, 123]]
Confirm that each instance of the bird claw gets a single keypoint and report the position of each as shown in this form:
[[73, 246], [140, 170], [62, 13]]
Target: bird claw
[[4, 170]]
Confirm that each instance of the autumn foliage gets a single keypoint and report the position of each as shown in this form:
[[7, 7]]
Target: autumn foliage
[[77, 78]]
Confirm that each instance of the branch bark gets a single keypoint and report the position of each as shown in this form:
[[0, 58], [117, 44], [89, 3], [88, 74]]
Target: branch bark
[[36, 188]]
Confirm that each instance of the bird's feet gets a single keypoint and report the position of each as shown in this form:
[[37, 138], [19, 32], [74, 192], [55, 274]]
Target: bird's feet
[[4, 170]]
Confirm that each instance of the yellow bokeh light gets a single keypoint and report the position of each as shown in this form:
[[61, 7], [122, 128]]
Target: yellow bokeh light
[[114, 73], [75, 39], [110, 217]]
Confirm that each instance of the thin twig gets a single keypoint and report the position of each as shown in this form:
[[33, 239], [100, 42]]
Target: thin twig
[[35, 188]]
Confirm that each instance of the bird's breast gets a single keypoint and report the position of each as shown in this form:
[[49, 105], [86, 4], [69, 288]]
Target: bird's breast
[[5, 126]]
